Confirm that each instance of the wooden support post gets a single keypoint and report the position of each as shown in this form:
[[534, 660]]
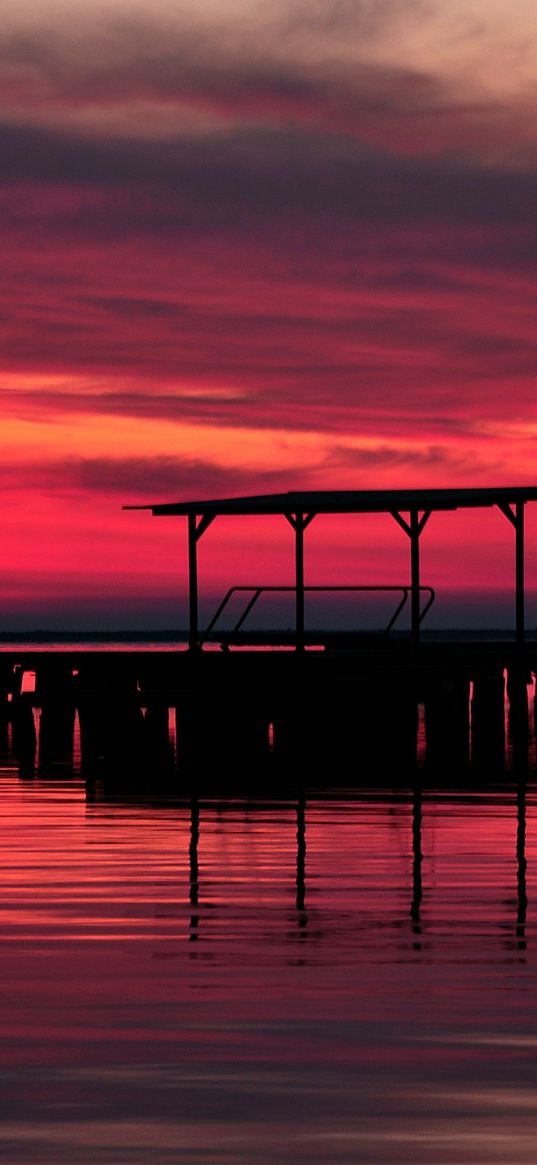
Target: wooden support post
[[447, 721], [299, 581], [193, 627], [518, 678], [413, 529], [299, 523], [415, 577], [195, 531], [488, 720], [516, 518], [519, 573]]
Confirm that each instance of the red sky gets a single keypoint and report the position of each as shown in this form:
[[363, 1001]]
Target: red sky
[[249, 250]]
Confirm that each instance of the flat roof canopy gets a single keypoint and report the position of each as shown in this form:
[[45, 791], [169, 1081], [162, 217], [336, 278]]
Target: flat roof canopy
[[348, 501]]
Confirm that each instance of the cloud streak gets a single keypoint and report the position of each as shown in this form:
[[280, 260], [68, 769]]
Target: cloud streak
[[348, 70]]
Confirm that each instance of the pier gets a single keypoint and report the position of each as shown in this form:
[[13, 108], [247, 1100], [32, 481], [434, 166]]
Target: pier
[[292, 705]]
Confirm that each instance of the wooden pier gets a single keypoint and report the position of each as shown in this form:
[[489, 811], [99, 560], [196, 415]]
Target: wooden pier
[[339, 708]]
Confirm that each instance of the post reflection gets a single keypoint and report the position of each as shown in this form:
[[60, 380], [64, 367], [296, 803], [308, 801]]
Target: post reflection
[[417, 859], [360, 867], [301, 930], [522, 895], [194, 869], [302, 917]]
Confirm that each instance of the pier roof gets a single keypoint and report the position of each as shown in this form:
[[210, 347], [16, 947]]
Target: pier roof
[[348, 501]]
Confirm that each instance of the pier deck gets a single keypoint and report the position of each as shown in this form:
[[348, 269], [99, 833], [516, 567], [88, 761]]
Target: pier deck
[[341, 716]]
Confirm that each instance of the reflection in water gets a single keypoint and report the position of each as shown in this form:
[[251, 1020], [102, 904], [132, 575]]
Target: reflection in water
[[300, 900], [388, 1043], [194, 875], [417, 858], [77, 752], [521, 866], [301, 863]]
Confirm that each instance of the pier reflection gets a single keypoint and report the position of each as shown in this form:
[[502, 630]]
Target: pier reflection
[[417, 859], [522, 895], [352, 859], [301, 860], [175, 954], [194, 869]]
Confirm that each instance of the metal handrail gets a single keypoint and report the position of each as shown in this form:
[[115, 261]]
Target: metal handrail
[[404, 589]]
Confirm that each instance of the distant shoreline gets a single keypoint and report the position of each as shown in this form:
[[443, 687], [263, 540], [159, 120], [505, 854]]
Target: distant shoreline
[[43, 636]]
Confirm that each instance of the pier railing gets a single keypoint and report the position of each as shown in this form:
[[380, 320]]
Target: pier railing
[[256, 591]]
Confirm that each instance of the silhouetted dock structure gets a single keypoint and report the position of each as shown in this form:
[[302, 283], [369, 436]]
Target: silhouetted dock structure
[[336, 708]]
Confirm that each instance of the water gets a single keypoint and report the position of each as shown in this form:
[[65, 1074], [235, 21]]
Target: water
[[337, 980]]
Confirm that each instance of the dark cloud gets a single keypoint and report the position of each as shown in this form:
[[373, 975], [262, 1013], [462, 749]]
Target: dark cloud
[[297, 50], [401, 456], [137, 479], [348, 16], [237, 181], [304, 73], [154, 405]]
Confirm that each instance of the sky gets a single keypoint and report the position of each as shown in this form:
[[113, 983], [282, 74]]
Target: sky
[[251, 248]]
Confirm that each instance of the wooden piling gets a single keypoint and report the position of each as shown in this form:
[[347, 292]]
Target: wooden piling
[[488, 722]]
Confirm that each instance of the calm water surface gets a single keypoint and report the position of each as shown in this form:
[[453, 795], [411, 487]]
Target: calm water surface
[[336, 980]]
